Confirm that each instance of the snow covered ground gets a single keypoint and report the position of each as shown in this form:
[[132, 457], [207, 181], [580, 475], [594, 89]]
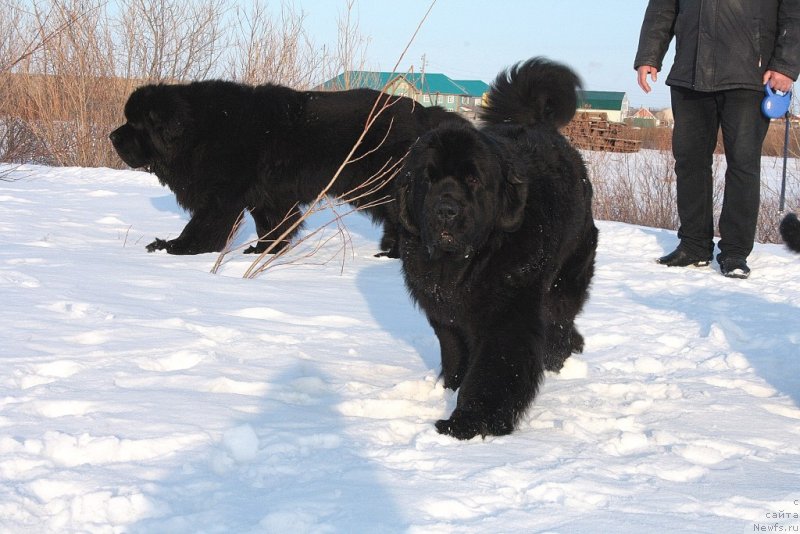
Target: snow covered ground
[[140, 393]]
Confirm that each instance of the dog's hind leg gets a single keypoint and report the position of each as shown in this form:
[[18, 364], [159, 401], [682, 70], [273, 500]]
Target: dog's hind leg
[[271, 224], [564, 302]]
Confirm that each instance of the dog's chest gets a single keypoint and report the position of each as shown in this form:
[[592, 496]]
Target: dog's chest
[[442, 291]]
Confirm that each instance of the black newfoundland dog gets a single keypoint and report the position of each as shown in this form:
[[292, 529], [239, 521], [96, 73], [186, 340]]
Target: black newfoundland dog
[[498, 245], [223, 147], [790, 231]]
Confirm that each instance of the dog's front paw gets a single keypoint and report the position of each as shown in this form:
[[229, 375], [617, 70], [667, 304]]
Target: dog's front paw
[[465, 424], [158, 244], [177, 247], [393, 253], [261, 247]]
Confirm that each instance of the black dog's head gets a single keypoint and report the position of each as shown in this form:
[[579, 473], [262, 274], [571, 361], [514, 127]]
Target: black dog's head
[[156, 118], [458, 192]]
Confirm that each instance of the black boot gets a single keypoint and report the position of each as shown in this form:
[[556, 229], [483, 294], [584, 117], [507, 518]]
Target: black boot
[[680, 258], [733, 267]]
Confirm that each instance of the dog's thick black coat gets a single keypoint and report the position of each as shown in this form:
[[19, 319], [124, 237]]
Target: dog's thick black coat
[[498, 245], [223, 147], [790, 231]]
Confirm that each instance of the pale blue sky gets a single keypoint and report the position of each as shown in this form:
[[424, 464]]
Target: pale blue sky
[[473, 39]]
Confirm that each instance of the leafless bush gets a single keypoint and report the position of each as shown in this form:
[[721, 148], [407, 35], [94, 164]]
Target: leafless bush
[[18, 142], [774, 142], [14, 39], [658, 138], [169, 40], [18, 40], [351, 46], [640, 189], [633, 189], [270, 50], [63, 89], [67, 66], [770, 213]]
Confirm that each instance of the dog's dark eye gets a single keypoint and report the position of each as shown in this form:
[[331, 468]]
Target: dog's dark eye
[[471, 179]]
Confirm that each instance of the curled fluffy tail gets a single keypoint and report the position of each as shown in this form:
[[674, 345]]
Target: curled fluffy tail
[[536, 91], [790, 231]]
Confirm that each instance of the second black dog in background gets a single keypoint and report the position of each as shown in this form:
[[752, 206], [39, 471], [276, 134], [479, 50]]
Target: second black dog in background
[[790, 231], [223, 147], [498, 245]]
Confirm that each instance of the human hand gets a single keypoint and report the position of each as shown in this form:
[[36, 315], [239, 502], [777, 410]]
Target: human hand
[[778, 82], [643, 71]]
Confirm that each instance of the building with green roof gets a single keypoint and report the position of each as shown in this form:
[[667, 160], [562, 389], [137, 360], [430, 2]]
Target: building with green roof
[[430, 88], [613, 103], [462, 96]]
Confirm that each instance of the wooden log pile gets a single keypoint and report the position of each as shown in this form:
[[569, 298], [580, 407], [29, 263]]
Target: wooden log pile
[[593, 131]]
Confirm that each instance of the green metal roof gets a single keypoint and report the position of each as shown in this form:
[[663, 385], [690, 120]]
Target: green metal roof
[[436, 83], [473, 87], [427, 83], [600, 99]]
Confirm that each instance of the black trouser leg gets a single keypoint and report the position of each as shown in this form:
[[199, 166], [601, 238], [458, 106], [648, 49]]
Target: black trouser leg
[[744, 128], [693, 140]]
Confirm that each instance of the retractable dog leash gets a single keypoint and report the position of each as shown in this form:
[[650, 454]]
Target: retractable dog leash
[[776, 105]]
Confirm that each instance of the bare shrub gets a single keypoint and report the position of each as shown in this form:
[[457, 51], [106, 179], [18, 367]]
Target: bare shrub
[[269, 50], [634, 189], [351, 46], [19, 39], [770, 213], [774, 142], [640, 189], [67, 66], [170, 40], [63, 88], [659, 138], [15, 40], [18, 142]]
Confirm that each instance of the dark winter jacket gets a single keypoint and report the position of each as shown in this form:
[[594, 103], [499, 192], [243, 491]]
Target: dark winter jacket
[[722, 44]]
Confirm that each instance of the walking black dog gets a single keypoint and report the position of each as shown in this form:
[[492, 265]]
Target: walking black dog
[[498, 245]]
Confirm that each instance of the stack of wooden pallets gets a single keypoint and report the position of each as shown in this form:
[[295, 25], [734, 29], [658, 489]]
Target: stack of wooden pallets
[[593, 131]]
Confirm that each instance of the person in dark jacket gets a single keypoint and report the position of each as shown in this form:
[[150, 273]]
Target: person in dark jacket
[[725, 52]]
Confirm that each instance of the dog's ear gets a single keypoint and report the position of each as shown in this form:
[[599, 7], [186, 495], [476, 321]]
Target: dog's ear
[[404, 206], [514, 199]]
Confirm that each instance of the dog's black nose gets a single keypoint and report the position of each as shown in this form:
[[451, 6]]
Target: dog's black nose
[[447, 210]]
